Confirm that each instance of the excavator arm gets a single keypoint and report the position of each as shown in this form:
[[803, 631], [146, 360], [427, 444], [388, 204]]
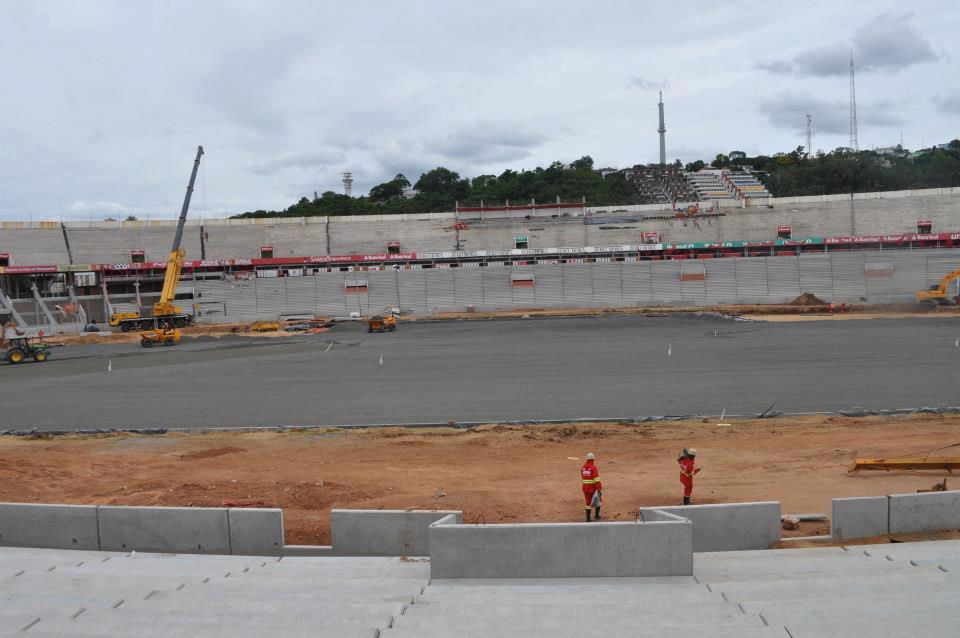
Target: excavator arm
[[171, 278]]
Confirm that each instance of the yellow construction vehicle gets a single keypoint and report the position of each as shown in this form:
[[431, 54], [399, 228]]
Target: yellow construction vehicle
[[939, 294], [167, 318]]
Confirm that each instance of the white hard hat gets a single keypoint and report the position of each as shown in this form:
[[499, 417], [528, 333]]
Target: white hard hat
[[591, 456], [692, 451]]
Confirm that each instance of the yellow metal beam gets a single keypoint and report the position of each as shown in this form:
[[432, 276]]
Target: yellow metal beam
[[948, 463]]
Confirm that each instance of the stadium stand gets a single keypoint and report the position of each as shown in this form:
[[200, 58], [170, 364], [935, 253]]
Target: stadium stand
[[709, 184], [660, 184], [905, 589], [745, 185]]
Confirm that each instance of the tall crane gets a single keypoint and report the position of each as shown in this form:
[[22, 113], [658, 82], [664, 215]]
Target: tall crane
[[165, 312], [167, 317]]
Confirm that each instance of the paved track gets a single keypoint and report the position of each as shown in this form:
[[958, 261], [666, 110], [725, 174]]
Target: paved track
[[491, 370]]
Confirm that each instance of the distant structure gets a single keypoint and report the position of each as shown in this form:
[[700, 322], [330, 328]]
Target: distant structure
[[663, 134], [854, 144], [809, 147], [347, 183]]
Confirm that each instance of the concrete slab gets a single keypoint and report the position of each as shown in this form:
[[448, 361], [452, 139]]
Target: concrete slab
[[385, 532], [194, 530], [625, 621], [257, 532], [722, 527], [946, 626], [156, 629], [859, 517], [928, 512], [561, 550], [51, 526], [578, 632]]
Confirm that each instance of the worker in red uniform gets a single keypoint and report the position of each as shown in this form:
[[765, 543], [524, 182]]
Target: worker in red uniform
[[687, 459], [590, 476]]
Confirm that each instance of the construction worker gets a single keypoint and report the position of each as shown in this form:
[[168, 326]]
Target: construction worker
[[686, 460], [590, 476]]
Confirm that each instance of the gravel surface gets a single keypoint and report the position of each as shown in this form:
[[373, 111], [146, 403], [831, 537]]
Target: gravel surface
[[558, 368]]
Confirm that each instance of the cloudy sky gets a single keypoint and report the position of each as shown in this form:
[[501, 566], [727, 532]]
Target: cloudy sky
[[103, 103]]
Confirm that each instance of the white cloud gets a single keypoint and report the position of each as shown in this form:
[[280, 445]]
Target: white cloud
[[296, 160], [99, 207]]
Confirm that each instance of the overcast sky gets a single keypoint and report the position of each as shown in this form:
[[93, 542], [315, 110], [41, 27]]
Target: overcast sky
[[103, 103]]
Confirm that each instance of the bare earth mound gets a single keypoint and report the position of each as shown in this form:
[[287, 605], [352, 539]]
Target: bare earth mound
[[808, 299], [494, 473]]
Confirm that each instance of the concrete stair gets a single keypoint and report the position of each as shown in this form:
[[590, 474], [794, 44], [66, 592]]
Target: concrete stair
[[880, 590]]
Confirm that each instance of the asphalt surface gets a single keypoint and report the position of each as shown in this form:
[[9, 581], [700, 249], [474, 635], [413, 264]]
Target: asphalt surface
[[607, 367]]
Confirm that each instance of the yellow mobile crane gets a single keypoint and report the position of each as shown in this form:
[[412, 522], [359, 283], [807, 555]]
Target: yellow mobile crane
[[167, 318], [939, 294]]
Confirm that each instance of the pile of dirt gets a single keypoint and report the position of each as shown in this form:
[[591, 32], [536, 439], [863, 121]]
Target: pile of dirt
[[808, 299]]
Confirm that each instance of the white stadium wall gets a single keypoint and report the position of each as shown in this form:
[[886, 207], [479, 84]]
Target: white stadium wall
[[111, 242]]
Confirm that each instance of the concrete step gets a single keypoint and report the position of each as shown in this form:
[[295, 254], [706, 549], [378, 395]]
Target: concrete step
[[162, 630], [829, 587], [263, 609], [214, 596], [865, 611], [852, 601], [623, 622], [437, 587], [662, 608], [946, 626], [584, 628], [572, 597], [211, 616], [562, 582], [885, 568]]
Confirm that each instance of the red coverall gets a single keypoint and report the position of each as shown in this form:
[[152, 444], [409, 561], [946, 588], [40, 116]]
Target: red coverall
[[686, 474], [590, 476]]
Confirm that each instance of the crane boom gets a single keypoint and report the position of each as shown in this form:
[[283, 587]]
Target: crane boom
[[171, 278]]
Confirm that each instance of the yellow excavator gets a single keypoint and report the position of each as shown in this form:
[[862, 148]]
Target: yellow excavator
[[167, 318], [939, 294]]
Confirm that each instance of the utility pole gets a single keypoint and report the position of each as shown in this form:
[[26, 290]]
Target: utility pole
[[348, 183], [809, 147], [854, 143]]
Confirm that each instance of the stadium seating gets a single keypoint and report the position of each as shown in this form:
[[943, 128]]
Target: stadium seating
[[886, 590], [710, 185]]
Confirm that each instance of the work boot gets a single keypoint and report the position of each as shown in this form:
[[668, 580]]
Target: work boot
[[596, 514], [686, 500], [588, 514]]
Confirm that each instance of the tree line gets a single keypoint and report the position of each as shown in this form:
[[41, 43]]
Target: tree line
[[784, 174]]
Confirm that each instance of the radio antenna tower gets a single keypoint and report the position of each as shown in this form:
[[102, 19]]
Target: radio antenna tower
[[854, 144], [809, 147], [662, 130], [348, 183]]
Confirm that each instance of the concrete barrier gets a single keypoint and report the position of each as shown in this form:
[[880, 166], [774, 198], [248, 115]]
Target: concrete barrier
[[928, 512], [384, 532], [859, 517], [724, 527], [256, 532], [194, 530], [51, 526], [561, 550]]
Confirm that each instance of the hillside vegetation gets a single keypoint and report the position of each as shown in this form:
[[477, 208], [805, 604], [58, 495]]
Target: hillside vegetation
[[784, 174]]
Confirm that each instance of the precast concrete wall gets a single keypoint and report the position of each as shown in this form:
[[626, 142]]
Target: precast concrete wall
[[561, 550], [926, 512], [385, 532], [859, 517], [51, 526], [845, 214], [194, 530], [869, 276], [256, 531], [724, 527], [186, 530]]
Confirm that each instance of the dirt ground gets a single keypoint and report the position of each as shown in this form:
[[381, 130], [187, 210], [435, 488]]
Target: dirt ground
[[493, 473]]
